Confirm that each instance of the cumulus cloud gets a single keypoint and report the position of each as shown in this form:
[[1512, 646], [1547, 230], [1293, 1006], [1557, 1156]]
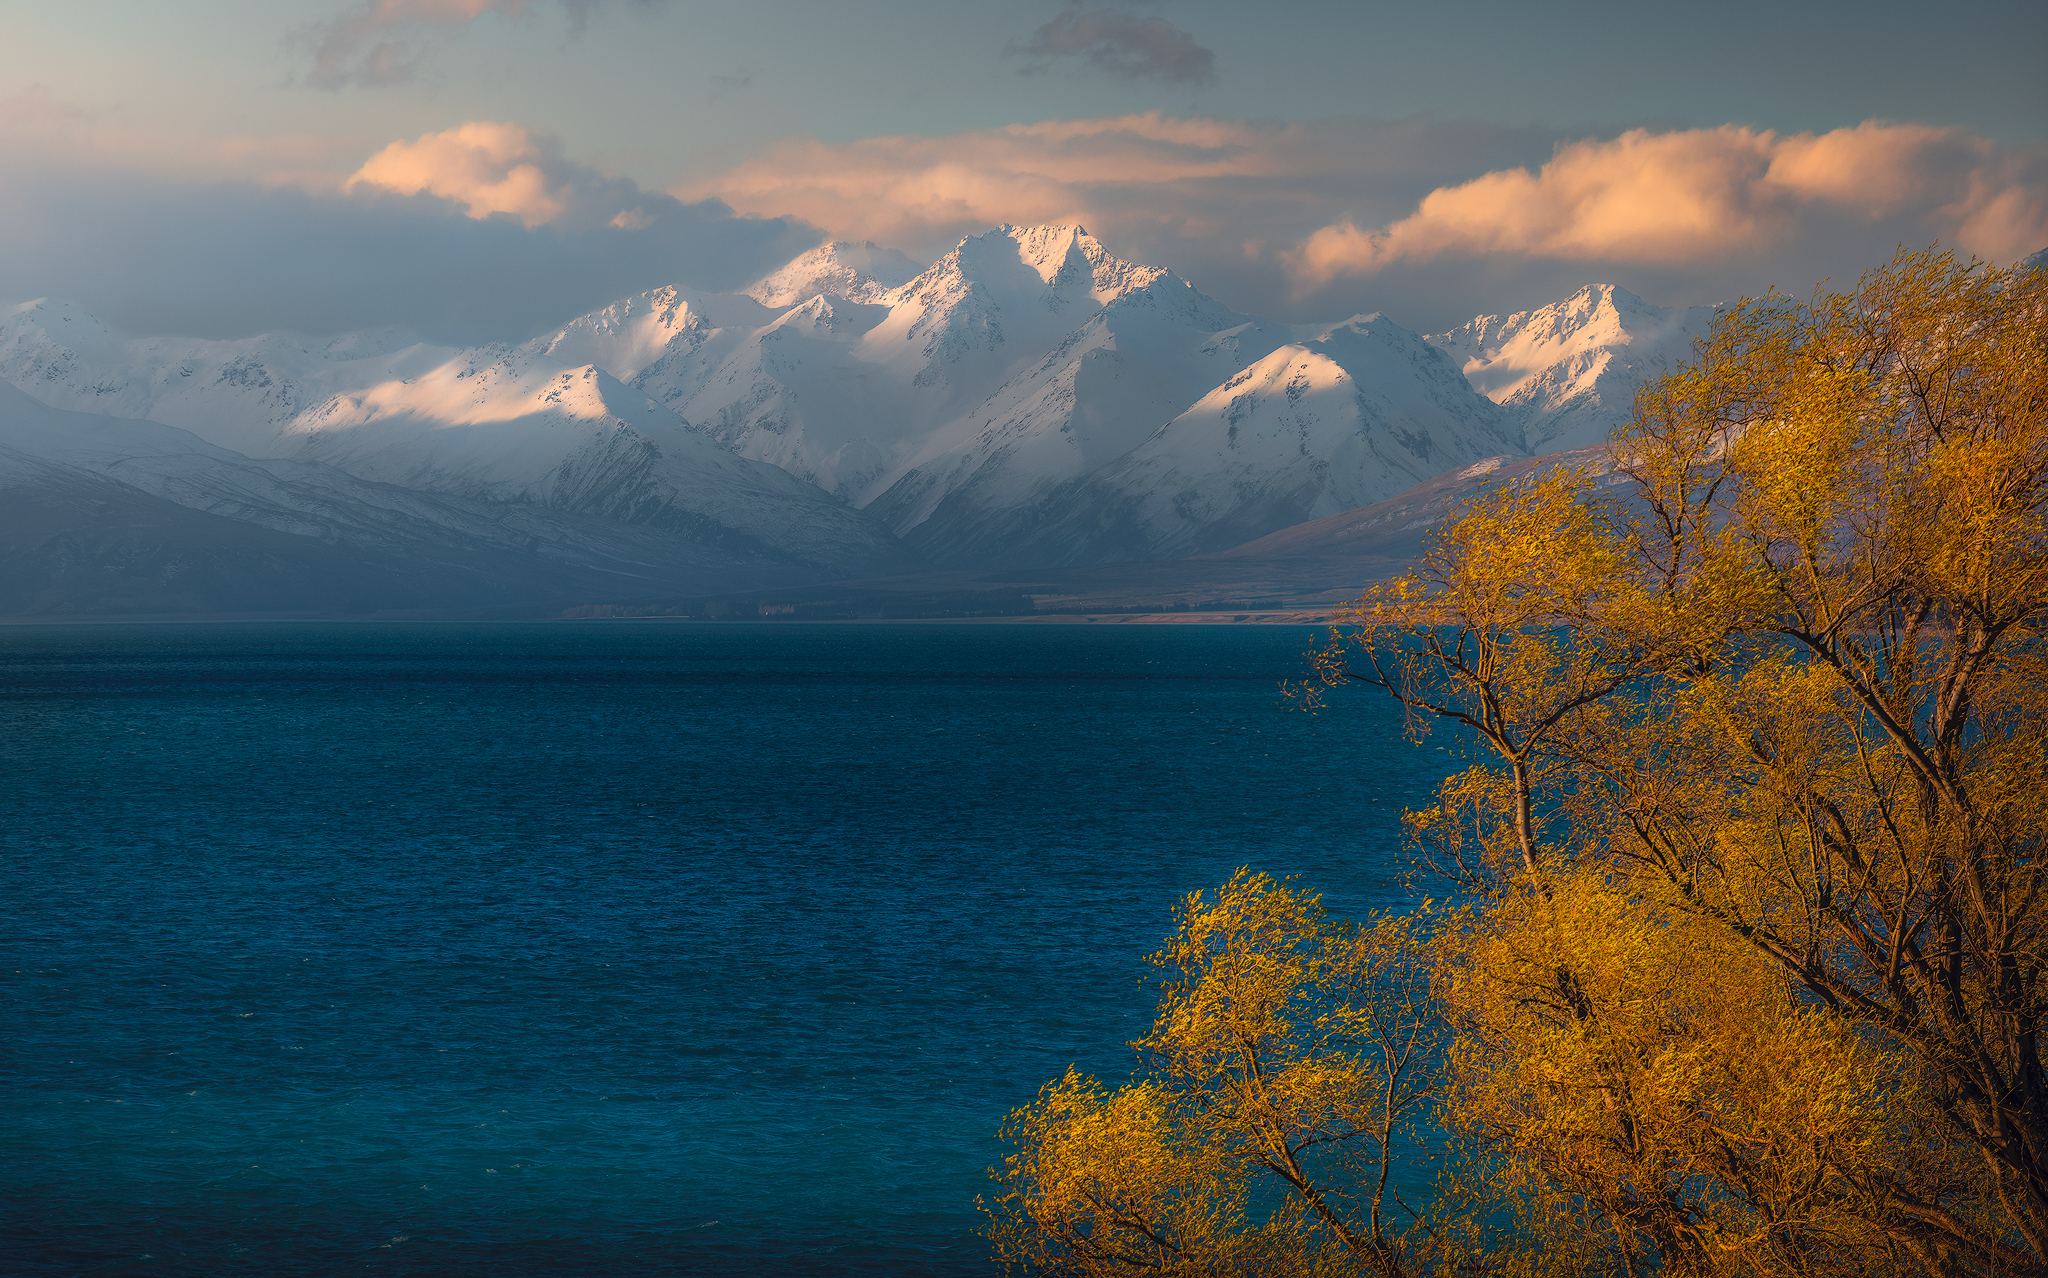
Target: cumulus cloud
[[1432, 221], [164, 251], [491, 231], [1210, 197], [1698, 197], [487, 167], [1121, 44], [379, 42]]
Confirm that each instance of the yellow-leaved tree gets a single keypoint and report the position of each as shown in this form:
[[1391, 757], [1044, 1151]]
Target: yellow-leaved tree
[[1769, 1000], [1750, 974], [1290, 1055]]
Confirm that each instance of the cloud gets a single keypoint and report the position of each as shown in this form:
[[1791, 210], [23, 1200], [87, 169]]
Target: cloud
[[740, 80], [1186, 177], [162, 250], [488, 167], [1211, 198], [490, 230], [1699, 197], [37, 108], [484, 166], [1432, 221], [378, 42], [38, 128], [1121, 44]]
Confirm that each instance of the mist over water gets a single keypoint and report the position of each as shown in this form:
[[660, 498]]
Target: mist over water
[[609, 948]]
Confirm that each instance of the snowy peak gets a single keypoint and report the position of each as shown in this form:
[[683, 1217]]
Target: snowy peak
[[1376, 351], [1365, 379], [1569, 371], [1065, 263], [532, 425], [1055, 252], [237, 394], [630, 335], [58, 321], [997, 302], [857, 272], [1023, 358], [1349, 416], [474, 391], [50, 346], [827, 318]]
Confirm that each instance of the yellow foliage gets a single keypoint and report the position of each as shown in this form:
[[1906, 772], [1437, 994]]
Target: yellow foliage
[[1749, 978], [1289, 1053], [1813, 814], [1648, 1091]]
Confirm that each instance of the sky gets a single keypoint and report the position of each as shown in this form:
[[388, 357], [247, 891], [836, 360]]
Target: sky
[[482, 169]]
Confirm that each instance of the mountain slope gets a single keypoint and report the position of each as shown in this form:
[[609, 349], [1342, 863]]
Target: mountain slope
[[1136, 364], [1029, 398], [854, 395], [852, 272], [1395, 529], [1567, 373], [521, 425], [1351, 416], [113, 515]]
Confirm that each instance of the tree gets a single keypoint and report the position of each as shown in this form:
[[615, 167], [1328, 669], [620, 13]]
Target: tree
[[1840, 555], [1822, 599], [1289, 1053], [1748, 978]]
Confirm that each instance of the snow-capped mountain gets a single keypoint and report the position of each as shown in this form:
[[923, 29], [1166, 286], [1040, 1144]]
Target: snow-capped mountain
[[1153, 347], [1351, 416], [1394, 531], [1029, 398], [533, 424], [853, 394], [1567, 373], [115, 515], [854, 272]]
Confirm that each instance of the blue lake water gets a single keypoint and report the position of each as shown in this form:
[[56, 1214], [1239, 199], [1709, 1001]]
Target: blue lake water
[[609, 948]]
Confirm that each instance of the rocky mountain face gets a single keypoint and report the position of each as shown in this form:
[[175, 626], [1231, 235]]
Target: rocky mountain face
[[1027, 400], [1567, 373]]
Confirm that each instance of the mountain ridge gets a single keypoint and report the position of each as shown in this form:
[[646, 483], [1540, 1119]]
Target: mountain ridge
[[1567, 372], [1028, 398]]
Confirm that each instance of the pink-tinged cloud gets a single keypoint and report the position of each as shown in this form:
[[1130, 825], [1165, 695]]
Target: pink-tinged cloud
[[1701, 196], [488, 167], [485, 166], [36, 107], [1136, 175]]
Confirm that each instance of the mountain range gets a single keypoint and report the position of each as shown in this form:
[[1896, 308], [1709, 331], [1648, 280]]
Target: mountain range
[[1027, 401]]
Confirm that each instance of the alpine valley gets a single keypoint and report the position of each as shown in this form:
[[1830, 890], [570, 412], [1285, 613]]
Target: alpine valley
[[1027, 410]]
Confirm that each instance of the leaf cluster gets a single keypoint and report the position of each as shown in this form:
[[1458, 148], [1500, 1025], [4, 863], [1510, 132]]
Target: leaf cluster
[[1290, 1054]]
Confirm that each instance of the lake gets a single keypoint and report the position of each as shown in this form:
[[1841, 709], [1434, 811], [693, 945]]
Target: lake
[[610, 948]]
